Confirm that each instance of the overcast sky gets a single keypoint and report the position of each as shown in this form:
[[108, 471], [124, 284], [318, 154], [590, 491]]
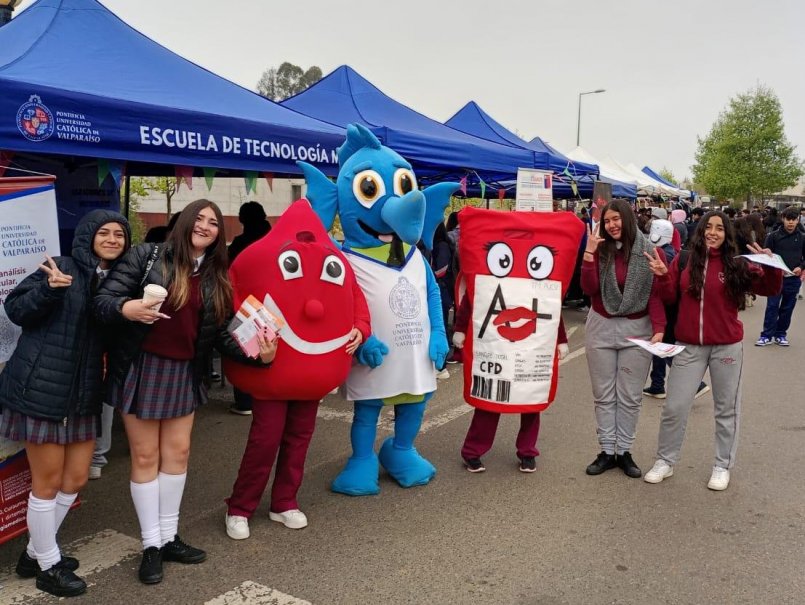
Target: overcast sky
[[668, 67]]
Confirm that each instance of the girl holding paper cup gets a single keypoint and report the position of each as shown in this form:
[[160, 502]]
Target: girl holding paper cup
[[711, 289], [52, 388], [158, 366], [625, 304]]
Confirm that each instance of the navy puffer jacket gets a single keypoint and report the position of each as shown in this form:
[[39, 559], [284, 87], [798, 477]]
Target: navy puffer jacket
[[57, 368]]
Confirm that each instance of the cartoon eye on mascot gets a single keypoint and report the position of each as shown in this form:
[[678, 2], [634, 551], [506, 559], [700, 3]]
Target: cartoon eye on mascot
[[516, 267], [383, 215], [300, 276]]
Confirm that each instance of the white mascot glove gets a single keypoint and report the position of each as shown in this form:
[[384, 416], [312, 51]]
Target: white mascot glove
[[458, 339], [563, 350]]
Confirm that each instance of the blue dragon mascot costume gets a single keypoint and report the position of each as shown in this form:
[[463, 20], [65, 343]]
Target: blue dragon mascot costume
[[383, 216]]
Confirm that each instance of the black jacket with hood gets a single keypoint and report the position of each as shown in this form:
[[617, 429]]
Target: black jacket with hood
[[57, 368]]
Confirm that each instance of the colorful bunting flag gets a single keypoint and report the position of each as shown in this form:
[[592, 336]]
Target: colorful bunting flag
[[269, 177], [463, 185], [250, 176], [209, 177], [501, 193], [184, 173], [103, 170], [115, 168], [5, 160], [483, 188]]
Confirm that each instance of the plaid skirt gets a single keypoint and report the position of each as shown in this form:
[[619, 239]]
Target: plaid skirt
[[19, 427], [157, 388]]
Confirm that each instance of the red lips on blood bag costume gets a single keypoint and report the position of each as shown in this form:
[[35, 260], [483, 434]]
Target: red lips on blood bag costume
[[516, 267], [300, 275]]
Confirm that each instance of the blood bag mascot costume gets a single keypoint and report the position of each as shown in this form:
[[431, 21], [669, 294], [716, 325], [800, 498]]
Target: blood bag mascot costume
[[383, 215], [302, 277], [516, 267]]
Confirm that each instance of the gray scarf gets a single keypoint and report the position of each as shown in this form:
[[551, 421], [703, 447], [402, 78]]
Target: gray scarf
[[636, 289]]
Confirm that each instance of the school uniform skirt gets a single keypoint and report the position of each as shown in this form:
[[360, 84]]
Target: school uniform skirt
[[16, 426], [157, 388]]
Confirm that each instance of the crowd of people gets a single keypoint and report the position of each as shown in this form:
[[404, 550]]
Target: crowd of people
[[89, 337]]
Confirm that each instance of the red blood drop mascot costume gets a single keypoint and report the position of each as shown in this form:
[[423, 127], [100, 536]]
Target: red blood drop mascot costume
[[516, 267], [301, 277]]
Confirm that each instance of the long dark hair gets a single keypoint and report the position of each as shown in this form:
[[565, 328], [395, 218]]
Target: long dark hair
[[756, 221], [737, 279], [628, 231], [214, 267]]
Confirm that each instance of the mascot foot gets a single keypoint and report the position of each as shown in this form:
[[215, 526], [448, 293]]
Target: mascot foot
[[359, 477], [407, 467]]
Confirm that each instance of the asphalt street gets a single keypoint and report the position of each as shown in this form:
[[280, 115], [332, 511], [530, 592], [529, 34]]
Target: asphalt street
[[552, 537]]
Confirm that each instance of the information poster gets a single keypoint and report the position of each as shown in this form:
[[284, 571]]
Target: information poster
[[28, 230], [534, 190]]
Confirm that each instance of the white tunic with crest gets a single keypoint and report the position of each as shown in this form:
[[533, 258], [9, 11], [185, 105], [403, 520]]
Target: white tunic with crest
[[398, 303]]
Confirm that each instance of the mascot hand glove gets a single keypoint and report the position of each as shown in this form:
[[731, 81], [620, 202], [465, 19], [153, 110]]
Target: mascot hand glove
[[563, 350], [458, 339], [371, 352], [438, 348]]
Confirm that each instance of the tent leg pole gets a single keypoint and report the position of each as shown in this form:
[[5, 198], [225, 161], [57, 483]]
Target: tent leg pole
[[127, 199]]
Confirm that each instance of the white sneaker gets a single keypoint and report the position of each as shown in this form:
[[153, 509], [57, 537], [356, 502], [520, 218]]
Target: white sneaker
[[443, 374], [94, 472], [661, 470], [237, 527], [292, 519], [720, 479]]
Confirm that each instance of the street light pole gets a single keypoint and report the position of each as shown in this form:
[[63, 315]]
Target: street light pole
[[578, 123]]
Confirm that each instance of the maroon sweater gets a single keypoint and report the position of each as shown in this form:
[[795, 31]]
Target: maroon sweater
[[712, 318], [591, 285], [175, 338]]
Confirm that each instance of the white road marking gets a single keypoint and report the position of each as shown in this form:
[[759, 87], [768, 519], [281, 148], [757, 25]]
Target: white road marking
[[252, 593], [571, 330], [577, 353], [96, 553]]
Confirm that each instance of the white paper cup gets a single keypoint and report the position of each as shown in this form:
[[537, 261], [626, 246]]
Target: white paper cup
[[154, 293]]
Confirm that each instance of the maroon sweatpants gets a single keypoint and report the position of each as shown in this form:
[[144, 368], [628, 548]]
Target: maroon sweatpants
[[483, 427], [286, 426]]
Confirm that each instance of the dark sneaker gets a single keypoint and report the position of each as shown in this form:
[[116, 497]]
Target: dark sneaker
[[528, 464], [28, 567], [656, 392], [781, 341], [703, 388], [628, 466], [474, 465], [456, 357], [151, 566], [602, 463], [60, 581], [178, 551]]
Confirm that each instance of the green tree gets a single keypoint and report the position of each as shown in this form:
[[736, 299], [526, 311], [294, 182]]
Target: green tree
[[138, 226], [287, 80], [667, 175], [746, 154]]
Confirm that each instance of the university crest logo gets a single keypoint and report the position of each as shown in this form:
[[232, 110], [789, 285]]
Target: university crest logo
[[34, 120]]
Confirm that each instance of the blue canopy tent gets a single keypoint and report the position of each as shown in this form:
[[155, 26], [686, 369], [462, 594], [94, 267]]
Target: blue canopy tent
[[344, 96], [78, 81], [657, 177], [473, 120]]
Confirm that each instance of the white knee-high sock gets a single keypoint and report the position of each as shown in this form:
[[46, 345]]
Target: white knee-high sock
[[146, 502], [42, 528], [63, 504], [171, 489]]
